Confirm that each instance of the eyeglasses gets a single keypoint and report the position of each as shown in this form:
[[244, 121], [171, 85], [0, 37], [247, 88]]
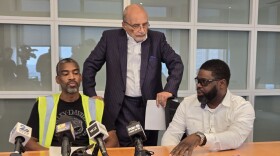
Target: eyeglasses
[[138, 26], [204, 82]]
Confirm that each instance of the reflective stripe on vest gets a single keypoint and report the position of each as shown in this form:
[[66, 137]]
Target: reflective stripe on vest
[[47, 108]]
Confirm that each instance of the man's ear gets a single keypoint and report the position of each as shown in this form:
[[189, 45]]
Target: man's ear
[[123, 25], [57, 79], [223, 83]]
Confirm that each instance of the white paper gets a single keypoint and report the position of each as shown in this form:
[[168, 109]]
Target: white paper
[[56, 150], [155, 116]]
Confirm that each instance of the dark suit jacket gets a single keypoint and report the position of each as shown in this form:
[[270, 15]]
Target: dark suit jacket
[[112, 49]]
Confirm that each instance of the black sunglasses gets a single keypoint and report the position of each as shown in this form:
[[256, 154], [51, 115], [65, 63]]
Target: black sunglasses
[[204, 82]]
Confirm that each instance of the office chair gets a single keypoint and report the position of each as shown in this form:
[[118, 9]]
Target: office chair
[[170, 110]]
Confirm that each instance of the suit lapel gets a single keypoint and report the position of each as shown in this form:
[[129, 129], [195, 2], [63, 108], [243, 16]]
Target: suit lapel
[[123, 56], [144, 60]]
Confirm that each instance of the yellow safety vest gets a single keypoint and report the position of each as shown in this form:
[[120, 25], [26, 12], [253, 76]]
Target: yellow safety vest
[[47, 108]]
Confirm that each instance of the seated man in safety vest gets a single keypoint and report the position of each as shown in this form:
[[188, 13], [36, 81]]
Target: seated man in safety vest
[[48, 110]]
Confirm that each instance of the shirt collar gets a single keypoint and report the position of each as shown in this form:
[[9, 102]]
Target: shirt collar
[[130, 39], [225, 102]]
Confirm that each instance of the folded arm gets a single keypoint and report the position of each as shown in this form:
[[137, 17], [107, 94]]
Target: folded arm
[[33, 145], [112, 140]]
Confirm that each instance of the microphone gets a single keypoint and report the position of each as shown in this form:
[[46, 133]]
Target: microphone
[[98, 132], [19, 136], [137, 134], [65, 133]]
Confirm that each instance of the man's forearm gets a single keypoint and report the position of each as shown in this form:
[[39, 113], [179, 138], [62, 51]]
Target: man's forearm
[[33, 145], [112, 140]]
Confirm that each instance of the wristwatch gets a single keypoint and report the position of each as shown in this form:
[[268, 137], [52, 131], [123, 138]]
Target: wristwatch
[[202, 138]]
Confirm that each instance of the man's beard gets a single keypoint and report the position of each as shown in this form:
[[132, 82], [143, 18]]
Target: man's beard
[[207, 97], [72, 90]]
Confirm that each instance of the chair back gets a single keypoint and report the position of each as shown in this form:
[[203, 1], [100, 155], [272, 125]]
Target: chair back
[[170, 109]]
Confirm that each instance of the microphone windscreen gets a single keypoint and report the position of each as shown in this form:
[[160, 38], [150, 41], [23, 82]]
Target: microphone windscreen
[[134, 129], [97, 129], [22, 131], [65, 129]]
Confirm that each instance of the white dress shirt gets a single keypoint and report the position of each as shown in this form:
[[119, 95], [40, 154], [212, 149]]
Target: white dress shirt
[[225, 127], [133, 68]]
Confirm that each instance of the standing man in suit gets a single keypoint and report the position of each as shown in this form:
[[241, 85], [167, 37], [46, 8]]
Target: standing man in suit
[[133, 57]]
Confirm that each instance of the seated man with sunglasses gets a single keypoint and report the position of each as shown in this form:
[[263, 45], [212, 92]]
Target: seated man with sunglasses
[[212, 118]]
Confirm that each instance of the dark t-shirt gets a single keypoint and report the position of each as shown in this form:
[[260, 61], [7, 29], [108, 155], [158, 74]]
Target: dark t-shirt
[[71, 109]]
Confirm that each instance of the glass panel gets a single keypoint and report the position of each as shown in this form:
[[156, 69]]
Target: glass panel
[[269, 12], [77, 43], [32, 8], [179, 41], [11, 112], [266, 126], [230, 46], [21, 48], [224, 11], [97, 9], [166, 10], [268, 60]]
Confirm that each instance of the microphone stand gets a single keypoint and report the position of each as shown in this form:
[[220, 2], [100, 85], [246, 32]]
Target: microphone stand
[[65, 146], [18, 147], [95, 150], [15, 154], [139, 150], [102, 148], [139, 147]]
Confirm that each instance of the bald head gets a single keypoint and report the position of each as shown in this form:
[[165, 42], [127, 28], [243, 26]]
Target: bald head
[[135, 22], [134, 11]]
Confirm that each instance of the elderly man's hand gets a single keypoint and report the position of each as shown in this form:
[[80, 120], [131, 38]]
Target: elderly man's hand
[[162, 98], [97, 97], [186, 145]]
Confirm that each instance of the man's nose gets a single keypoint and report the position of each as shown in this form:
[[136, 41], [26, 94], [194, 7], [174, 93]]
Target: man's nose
[[71, 76], [141, 29], [198, 85]]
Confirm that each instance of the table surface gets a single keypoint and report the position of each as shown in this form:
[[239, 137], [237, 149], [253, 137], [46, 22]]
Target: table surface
[[247, 149]]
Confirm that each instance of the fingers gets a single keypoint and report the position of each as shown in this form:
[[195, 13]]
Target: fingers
[[162, 98], [190, 151], [98, 97], [161, 102], [185, 146], [158, 100], [180, 150]]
